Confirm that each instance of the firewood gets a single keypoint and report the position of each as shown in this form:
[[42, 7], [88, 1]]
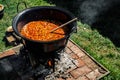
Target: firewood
[[9, 29], [10, 39]]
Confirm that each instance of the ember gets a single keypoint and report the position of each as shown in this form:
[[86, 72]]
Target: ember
[[50, 63]]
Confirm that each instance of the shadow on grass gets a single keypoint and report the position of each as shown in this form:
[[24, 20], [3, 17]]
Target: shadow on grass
[[99, 14], [108, 24]]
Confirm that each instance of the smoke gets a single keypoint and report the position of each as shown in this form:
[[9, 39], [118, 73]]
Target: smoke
[[103, 15], [87, 11], [91, 9]]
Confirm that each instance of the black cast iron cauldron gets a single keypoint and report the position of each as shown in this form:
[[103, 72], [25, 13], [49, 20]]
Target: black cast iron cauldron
[[40, 13]]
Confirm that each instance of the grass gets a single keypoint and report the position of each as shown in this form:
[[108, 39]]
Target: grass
[[101, 48]]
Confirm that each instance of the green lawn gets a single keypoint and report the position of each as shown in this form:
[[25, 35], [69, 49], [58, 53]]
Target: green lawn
[[101, 48]]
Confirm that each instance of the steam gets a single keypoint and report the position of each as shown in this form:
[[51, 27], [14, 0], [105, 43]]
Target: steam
[[88, 11], [91, 9]]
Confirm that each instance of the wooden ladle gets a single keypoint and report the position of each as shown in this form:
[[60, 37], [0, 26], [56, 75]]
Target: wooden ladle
[[64, 24]]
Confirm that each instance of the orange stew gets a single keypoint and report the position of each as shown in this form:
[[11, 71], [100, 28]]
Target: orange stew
[[40, 30]]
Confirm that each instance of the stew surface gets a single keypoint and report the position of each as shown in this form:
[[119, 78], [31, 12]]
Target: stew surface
[[40, 30]]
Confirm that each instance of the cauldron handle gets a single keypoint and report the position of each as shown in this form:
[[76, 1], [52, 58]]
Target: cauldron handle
[[73, 30], [21, 3]]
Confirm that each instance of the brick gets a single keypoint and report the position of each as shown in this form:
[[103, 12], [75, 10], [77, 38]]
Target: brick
[[75, 73], [73, 56], [87, 59], [79, 62], [97, 73], [89, 62], [94, 74], [74, 48], [70, 44], [81, 54], [82, 78], [7, 53], [80, 71], [67, 50], [91, 75], [92, 65], [77, 51]]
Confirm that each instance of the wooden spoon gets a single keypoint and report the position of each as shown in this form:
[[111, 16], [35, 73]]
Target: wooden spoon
[[64, 24]]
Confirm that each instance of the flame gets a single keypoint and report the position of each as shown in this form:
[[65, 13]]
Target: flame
[[50, 63]]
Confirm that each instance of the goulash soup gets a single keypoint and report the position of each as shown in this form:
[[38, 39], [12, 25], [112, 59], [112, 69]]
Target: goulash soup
[[40, 30]]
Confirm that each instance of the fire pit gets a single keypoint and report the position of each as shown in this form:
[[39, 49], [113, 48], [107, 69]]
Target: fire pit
[[74, 64]]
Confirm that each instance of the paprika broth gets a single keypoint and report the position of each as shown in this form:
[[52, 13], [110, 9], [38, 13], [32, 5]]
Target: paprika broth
[[41, 31]]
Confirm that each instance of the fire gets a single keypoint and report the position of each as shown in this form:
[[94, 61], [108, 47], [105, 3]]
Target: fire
[[50, 63]]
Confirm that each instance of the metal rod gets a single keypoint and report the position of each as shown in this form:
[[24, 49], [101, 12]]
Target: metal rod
[[64, 24]]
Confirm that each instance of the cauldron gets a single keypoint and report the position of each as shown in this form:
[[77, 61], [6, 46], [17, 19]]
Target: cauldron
[[44, 13]]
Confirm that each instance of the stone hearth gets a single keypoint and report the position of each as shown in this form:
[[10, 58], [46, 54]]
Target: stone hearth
[[74, 64]]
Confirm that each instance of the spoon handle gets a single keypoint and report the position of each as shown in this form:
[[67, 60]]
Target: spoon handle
[[64, 24]]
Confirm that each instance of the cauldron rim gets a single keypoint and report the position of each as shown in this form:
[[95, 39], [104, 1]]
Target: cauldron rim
[[35, 8]]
